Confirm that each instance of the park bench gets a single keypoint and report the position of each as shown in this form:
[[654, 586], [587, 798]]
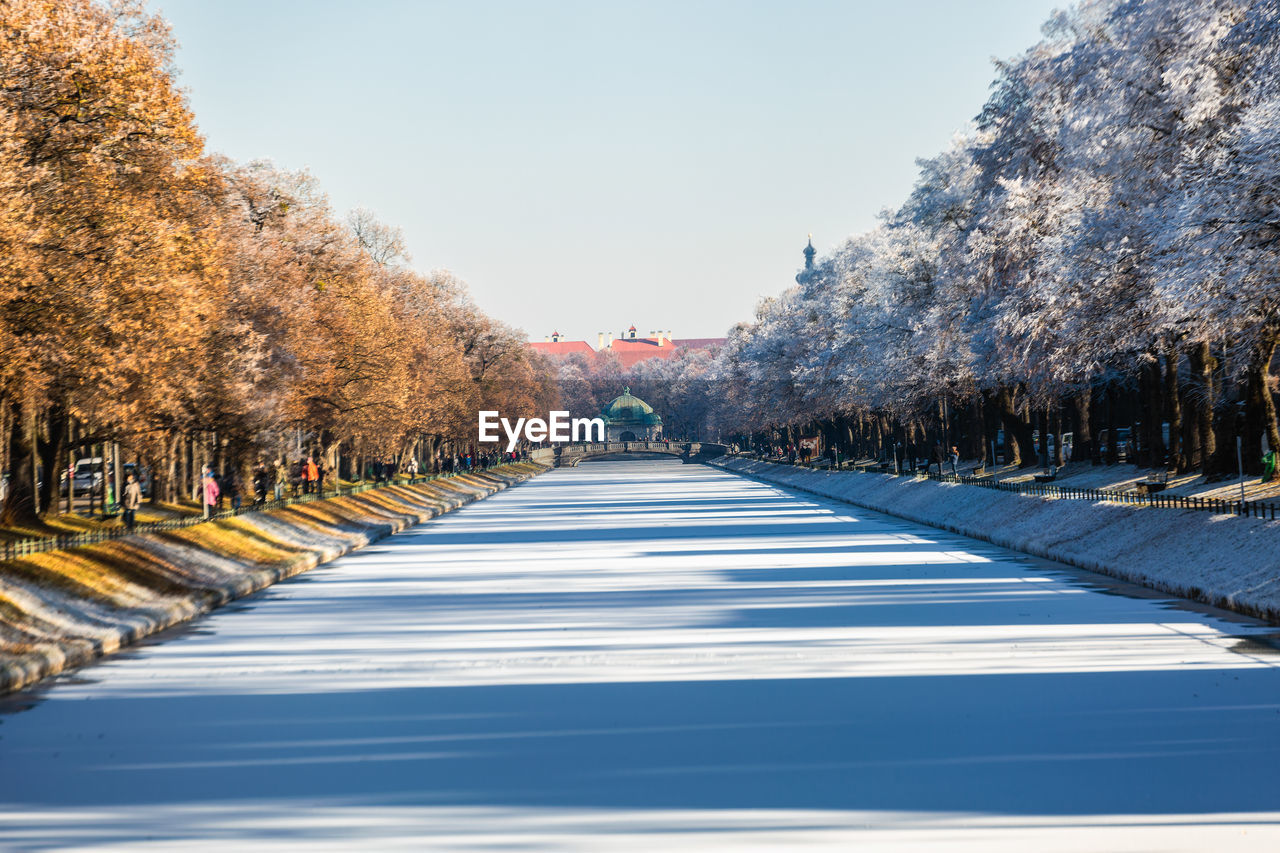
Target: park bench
[[1048, 476], [1157, 481]]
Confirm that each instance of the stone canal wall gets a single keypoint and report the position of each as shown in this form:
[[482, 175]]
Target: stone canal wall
[[1224, 560], [61, 609]]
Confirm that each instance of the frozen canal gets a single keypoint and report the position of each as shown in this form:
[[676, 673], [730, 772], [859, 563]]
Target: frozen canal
[[650, 656]]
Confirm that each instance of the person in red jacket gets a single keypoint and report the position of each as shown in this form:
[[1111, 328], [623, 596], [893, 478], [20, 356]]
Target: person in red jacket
[[209, 491]]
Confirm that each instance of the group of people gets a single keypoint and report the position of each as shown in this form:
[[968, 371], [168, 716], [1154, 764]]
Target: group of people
[[471, 460], [306, 475], [941, 456], [382, 470]]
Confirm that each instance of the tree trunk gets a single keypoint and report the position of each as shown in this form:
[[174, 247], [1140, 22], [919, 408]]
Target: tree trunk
[[1113, 446], [1153, 416], [1042, 430], [1202, 366], [182, 472], [1059, 457], [1173, 403], [1024, 433], [20, 503], [166, 472], [1270, 422], [1016, 451], [51, 451], [974, 440], [1082, 446], [190, 482], [1225, 425], [70, 459], [1190, 439], [1260, 409]]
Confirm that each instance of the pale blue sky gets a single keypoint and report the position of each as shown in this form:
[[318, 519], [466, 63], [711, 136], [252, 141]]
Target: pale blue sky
[[586, 166]]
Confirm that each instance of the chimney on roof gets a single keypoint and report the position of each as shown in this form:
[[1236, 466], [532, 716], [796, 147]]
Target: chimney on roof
[[660, 334], [610, 342], [547, 339], [599, 341]]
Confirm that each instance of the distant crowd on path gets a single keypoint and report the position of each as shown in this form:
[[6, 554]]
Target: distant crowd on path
[[306, 476], [475, 460]]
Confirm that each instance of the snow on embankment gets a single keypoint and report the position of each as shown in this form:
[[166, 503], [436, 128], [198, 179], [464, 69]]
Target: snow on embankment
[[1224, 560], [64, 608]]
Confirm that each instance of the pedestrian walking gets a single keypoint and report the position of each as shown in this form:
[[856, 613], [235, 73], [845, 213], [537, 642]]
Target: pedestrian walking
[[955, 461], [130, 501], [939, 455], [209, 491], [261, 482], [311, 474], [281, 477], [319, 472]]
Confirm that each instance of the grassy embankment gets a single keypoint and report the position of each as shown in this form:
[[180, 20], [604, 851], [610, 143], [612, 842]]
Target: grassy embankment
[[63, 608]]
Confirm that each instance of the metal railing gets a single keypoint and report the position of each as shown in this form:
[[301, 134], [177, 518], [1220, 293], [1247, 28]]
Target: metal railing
[[18, 548], [1251, 509]]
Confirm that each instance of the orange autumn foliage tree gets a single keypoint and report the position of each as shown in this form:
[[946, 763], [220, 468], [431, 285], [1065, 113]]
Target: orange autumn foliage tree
[[189, 308]]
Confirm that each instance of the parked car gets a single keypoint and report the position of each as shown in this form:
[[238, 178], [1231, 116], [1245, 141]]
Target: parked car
[[1068, 442], [1124, 437], [87, 476]]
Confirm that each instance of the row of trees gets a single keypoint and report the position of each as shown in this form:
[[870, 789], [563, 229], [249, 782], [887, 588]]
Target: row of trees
[[1101, 250], [194, 309]]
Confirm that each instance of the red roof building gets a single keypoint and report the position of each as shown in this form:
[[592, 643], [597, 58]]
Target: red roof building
[[629, 347], [632, 352], [561, 348]]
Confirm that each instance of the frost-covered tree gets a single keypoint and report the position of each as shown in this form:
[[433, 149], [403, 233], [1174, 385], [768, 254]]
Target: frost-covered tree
[[1099, 249]]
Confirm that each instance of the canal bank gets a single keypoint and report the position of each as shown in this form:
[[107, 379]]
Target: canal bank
[[61, 609], [1223, 560]]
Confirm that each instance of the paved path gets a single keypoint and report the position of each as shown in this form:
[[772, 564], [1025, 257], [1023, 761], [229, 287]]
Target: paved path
[[646, 655]]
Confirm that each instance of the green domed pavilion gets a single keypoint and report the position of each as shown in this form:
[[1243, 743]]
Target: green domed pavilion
[[628, 418]]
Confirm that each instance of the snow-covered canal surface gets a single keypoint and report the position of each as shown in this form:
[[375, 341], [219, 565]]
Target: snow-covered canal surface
[[653, 656]]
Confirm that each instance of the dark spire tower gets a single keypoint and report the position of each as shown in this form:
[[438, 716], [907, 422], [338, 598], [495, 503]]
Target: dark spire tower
[[806, 273]]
